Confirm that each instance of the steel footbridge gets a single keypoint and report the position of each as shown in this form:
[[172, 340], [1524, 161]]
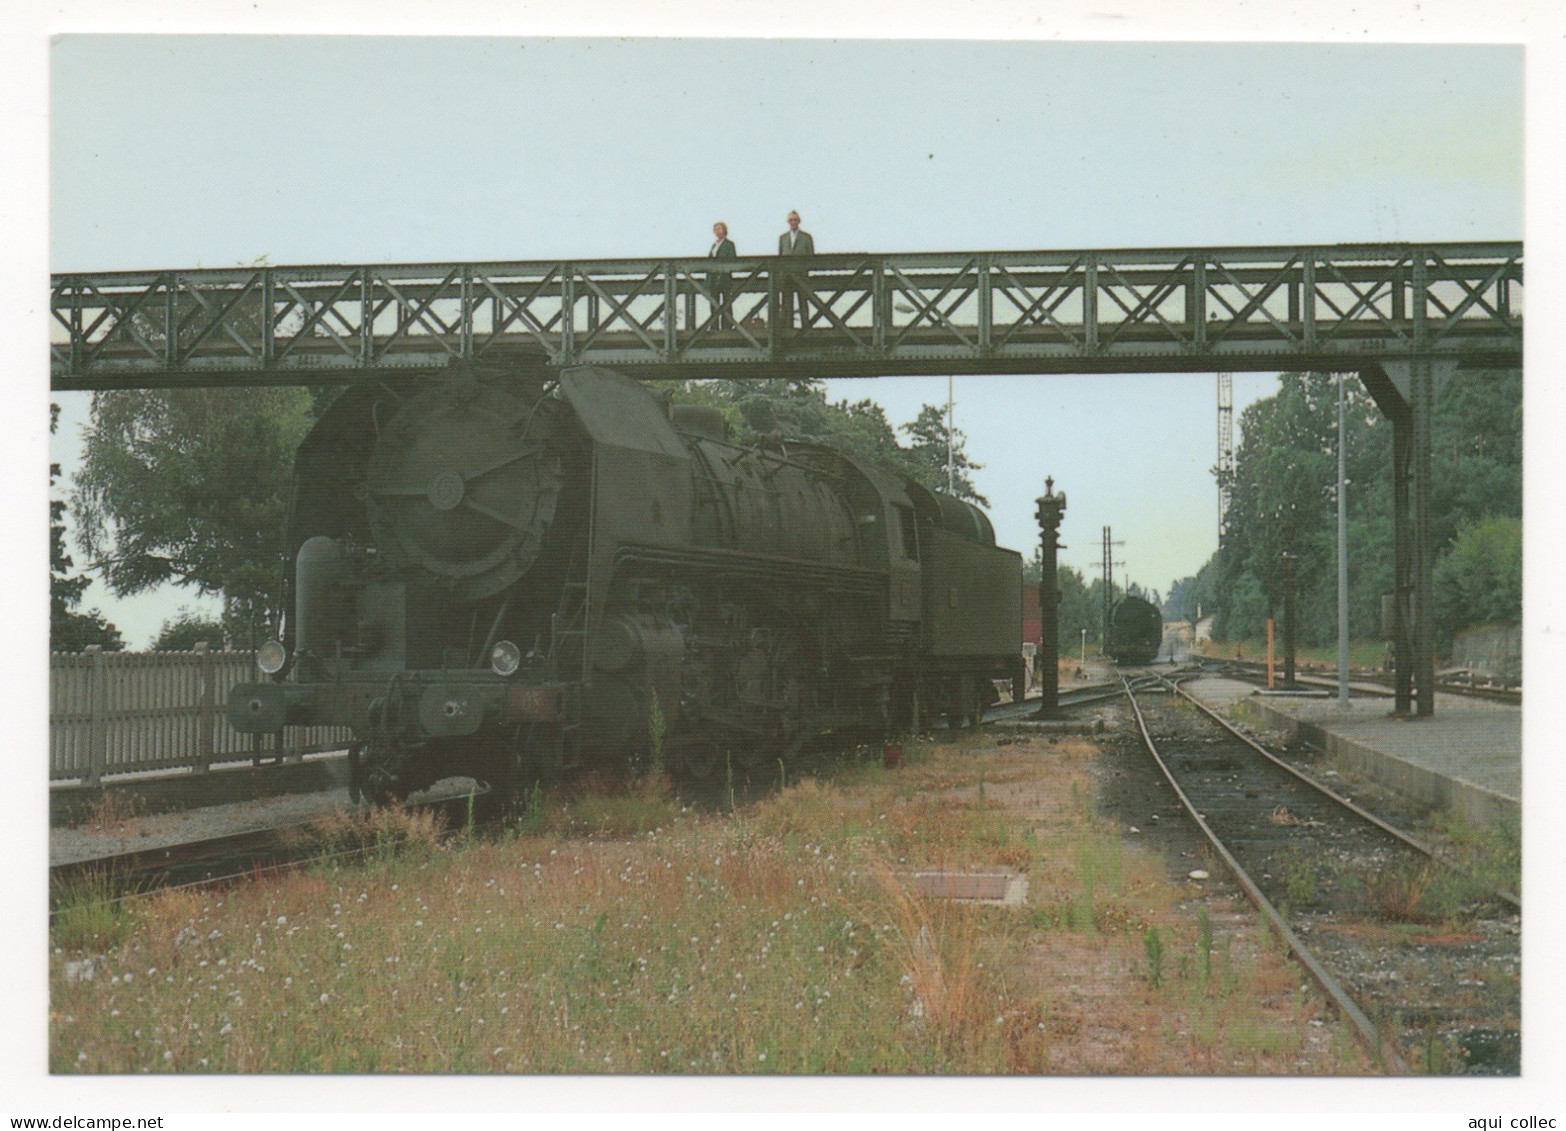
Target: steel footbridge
[[1403, 316]]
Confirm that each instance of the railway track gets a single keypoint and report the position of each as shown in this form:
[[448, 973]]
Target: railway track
[[1362, 683], [1426, 990], [211, 860], [1072, 697], [1422, 962]]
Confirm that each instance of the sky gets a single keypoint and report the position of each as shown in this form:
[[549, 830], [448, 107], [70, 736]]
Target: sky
[[996, 124], [331, 150]]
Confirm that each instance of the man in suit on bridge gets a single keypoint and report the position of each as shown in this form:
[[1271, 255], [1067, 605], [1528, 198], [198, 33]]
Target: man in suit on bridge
[[794, 244], [718, 280]]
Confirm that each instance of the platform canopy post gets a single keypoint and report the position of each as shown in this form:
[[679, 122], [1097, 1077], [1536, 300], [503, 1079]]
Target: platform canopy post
[[1406, 392]]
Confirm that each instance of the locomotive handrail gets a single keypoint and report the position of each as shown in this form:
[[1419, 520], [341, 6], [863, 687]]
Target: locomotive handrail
[[1107, 310], [709, 558]]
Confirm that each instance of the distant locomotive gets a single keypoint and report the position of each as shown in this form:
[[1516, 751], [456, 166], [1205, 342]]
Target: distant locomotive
[[1136, 631], [506, 578]]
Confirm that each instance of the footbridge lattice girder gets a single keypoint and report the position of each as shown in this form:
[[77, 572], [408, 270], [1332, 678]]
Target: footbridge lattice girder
[[1402, 315], [1209, 309]]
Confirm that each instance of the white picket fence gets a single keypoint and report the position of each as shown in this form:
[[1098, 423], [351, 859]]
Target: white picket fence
[[129, 712]]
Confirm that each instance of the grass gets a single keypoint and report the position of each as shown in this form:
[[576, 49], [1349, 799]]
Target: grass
[[88, 916], [1400, 893], [1364, 655], [111, 812], [1491, 854], [385, 831], [616, 931]]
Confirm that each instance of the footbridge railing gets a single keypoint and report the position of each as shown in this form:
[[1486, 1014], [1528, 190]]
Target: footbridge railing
[[1190, 309]]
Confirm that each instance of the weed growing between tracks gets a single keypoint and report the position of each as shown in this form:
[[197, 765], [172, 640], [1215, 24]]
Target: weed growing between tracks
[[87, 914], [1492, 855], [617, 932]]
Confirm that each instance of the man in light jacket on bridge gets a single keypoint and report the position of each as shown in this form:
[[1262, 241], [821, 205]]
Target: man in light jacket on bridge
[[793, 244]]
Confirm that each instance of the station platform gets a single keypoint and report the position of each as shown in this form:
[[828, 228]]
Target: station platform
[[1466, 758], [139, 832], [145, 833]]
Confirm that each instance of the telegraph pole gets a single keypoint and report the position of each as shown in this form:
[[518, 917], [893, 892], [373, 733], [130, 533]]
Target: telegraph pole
[[1225, 448], [1109, 582]]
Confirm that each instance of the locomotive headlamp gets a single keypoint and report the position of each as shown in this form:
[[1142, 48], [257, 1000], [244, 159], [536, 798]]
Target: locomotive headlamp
[[271, 657], [505, 658]]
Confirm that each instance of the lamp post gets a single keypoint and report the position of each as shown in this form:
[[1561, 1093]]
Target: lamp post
[[1343, 627]]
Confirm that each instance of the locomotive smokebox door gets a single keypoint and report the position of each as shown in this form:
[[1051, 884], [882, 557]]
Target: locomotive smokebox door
[[461, 486]]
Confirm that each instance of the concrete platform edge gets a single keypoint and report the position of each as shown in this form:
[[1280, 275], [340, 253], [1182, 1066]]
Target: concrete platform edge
[[69, 803], [1474, 804]]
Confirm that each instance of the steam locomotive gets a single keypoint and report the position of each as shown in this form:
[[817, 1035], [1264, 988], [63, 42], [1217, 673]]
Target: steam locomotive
[[506, 577], [1136, 631]]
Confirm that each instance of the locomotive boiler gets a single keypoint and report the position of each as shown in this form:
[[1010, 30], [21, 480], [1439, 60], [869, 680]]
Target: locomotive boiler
[[504, 577]]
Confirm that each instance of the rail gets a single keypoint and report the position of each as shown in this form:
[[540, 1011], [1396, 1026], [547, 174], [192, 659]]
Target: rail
[[1174, 309], [1369, 1036], [131, 712]]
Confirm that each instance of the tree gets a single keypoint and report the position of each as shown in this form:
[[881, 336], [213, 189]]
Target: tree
[[70, 631], [1283, 499], [797, 408], [190, 486], [928, 454], [1182, 601], [1077, 611], [1479, 580], [184, 631]]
